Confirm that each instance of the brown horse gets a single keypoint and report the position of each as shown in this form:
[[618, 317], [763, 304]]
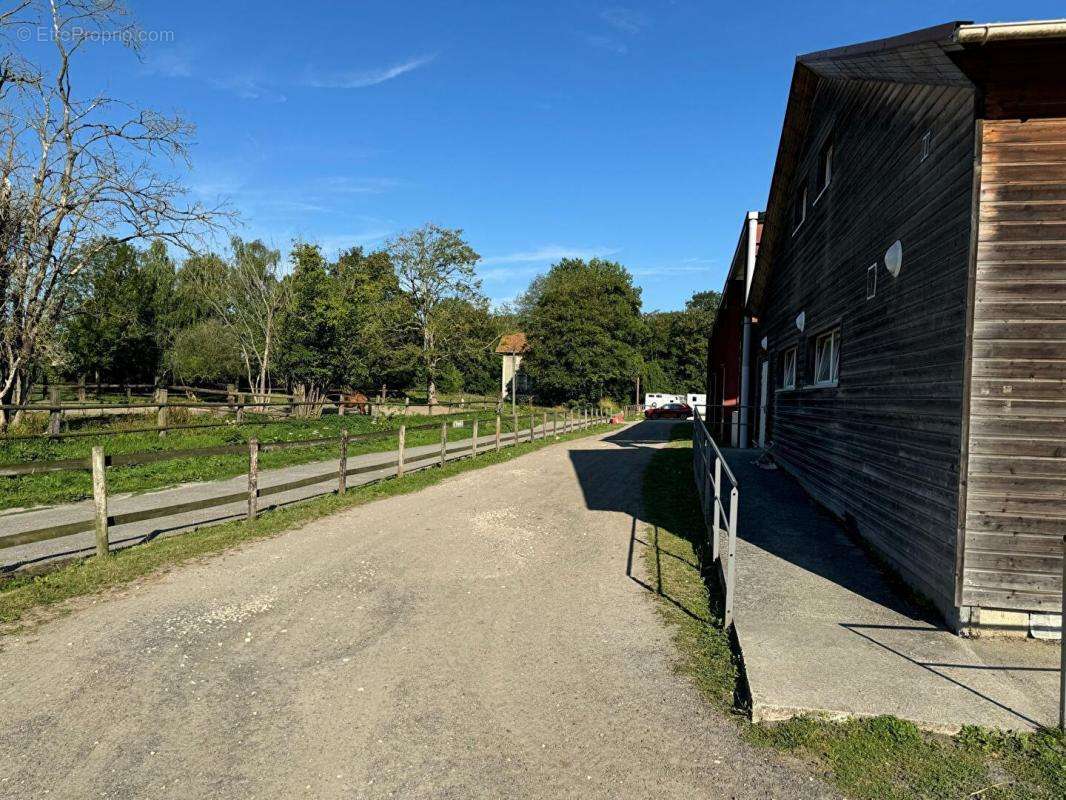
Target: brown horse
[[355, 402]]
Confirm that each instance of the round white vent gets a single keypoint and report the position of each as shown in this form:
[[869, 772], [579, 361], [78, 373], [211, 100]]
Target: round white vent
[[894, 258]]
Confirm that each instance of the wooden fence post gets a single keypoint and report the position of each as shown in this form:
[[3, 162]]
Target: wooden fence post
[[1062, 644], [161, 413], [240, 408], [514, 424], [399, 450], [497, 433], [55, 413], [231, 392], [555, 424], [103, 547], [81, 389], [443, 442], [473, 439], [544, 427], [342, 468], [532, 427], [253, 478]]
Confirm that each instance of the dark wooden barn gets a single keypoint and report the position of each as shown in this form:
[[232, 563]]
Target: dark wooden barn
[[910, 289], [729, 404]]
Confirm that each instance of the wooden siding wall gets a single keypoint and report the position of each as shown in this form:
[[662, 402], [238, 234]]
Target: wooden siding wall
[[883, 447], [1016, 486]]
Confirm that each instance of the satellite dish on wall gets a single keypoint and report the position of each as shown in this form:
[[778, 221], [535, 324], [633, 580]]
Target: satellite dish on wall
[[894, 258], [765, 341], [801, 321]]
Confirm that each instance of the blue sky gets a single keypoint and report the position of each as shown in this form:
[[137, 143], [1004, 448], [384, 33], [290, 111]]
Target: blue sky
[[640, 131]]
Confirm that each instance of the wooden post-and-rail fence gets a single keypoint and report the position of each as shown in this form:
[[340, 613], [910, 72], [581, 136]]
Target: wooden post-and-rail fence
[[98, 462]]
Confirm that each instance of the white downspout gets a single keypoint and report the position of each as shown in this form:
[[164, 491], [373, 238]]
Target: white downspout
[[745, 347]]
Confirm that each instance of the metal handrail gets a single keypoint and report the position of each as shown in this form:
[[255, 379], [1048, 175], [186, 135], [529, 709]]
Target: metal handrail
[[707, 479]]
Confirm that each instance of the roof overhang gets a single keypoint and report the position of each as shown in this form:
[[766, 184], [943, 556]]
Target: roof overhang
[[928, 56]]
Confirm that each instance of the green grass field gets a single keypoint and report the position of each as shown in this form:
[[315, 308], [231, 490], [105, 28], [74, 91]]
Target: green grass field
[[69, 486], [877, 759]]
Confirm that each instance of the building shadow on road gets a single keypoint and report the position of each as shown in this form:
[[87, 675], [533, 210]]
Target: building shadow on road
[[639, 477]]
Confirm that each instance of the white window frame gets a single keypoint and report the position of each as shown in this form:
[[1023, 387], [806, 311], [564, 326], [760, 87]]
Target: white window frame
[[788, 371], [803, 201], [832, 338], [826, 164]]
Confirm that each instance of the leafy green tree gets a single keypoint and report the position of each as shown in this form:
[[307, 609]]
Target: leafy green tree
[[435, 267], [307, 332], [585, 330], [376, 347], [675, 350], [205, 352], [118, 330]]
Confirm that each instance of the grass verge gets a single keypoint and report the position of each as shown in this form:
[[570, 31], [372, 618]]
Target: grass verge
[[22, 594], [878, 759], [25, 491]]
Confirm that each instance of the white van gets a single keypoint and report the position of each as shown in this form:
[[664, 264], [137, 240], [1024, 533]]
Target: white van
[[658, 399], [697, 402]]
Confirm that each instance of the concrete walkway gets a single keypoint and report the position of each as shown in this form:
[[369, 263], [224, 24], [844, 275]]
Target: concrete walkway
[[477, 639], [821, 630], [17, 521]]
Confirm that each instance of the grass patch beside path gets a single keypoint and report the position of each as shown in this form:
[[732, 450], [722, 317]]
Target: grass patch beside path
[[23, 594], [68, 486], [878, 759]]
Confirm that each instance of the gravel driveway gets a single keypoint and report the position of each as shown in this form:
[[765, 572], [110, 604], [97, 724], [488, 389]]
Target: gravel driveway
[[478, 639]]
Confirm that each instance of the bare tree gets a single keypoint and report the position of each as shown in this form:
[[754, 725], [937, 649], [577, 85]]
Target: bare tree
[[77, 174], [248, 297], [435, 267]]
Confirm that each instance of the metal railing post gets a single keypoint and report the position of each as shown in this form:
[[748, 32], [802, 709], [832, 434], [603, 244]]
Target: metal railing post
[[715, 550], [731, 558]]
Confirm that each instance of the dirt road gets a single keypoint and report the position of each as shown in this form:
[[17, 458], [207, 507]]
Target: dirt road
[[479, 639]]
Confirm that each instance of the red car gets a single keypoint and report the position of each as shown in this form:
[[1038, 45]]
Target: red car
[[669, 411]]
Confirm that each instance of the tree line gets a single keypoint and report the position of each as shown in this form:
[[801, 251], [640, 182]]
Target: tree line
[[107, 269], [411, 314]]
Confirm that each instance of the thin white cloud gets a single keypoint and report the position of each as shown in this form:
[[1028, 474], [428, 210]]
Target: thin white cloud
[[651, 272], [608, 43], [169, 63], [249, 88], [361, 80], [346, 184], [550, 253], [624, 19], [333, 243]]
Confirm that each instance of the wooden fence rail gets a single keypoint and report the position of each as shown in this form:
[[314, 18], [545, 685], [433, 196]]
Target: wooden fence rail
[[399, 464]]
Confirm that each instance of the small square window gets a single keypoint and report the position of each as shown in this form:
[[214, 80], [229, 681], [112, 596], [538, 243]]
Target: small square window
[[825, 166], [799, 208], [827, 358], [871, 281], [788, 369]]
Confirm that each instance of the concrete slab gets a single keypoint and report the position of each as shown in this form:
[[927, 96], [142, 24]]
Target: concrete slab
[[822, 630]]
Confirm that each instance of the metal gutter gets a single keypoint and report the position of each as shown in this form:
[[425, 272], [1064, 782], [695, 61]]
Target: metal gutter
[[988, 32]]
